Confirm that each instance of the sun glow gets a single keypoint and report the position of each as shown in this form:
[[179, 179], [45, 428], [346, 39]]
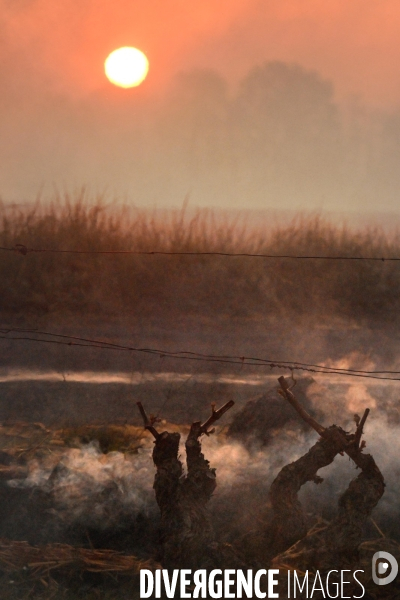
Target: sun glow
[[126, 67]]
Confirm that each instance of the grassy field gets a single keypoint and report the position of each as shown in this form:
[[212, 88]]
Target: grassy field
[[164, 287]]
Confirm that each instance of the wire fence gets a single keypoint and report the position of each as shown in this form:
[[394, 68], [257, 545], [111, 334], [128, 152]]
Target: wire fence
[[24, 250], [47, 337]]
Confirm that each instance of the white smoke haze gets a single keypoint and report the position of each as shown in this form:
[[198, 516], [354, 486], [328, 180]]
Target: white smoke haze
[[357, 398], [238, 465], [99, 490], [383, 442], [338, 400], [353, 360], [89, 486]]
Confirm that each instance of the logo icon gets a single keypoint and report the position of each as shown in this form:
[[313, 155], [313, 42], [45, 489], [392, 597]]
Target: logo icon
[[381, 573]]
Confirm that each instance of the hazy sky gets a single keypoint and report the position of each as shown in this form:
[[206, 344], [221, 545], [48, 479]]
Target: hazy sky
[[63, 125]]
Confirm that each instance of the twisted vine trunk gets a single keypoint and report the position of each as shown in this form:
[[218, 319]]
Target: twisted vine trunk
[[344, 534], [336, 546], [289, 523], [187, 535]]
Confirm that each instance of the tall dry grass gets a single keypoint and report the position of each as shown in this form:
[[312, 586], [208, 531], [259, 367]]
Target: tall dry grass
[[170, 286]]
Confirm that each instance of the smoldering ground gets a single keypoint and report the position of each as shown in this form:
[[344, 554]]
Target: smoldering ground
[[80, 493]]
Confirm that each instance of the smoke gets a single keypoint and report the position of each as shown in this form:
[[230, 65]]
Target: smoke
[[278, 134], [88, 489], [82, 489], [99, 490], [357, 397], [352, 360], [246, 472]]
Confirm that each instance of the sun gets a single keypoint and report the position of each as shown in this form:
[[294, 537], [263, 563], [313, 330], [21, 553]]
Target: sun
[[126, 67]]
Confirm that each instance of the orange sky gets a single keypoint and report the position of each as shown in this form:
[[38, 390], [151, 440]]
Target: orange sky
[[62, 44], [63, 125]]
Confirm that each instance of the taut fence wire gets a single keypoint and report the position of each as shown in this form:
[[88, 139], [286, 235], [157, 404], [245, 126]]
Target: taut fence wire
[[24, 250], [47, 337]]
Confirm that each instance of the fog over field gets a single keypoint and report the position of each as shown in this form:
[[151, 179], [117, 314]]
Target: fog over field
[[279, 139]]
